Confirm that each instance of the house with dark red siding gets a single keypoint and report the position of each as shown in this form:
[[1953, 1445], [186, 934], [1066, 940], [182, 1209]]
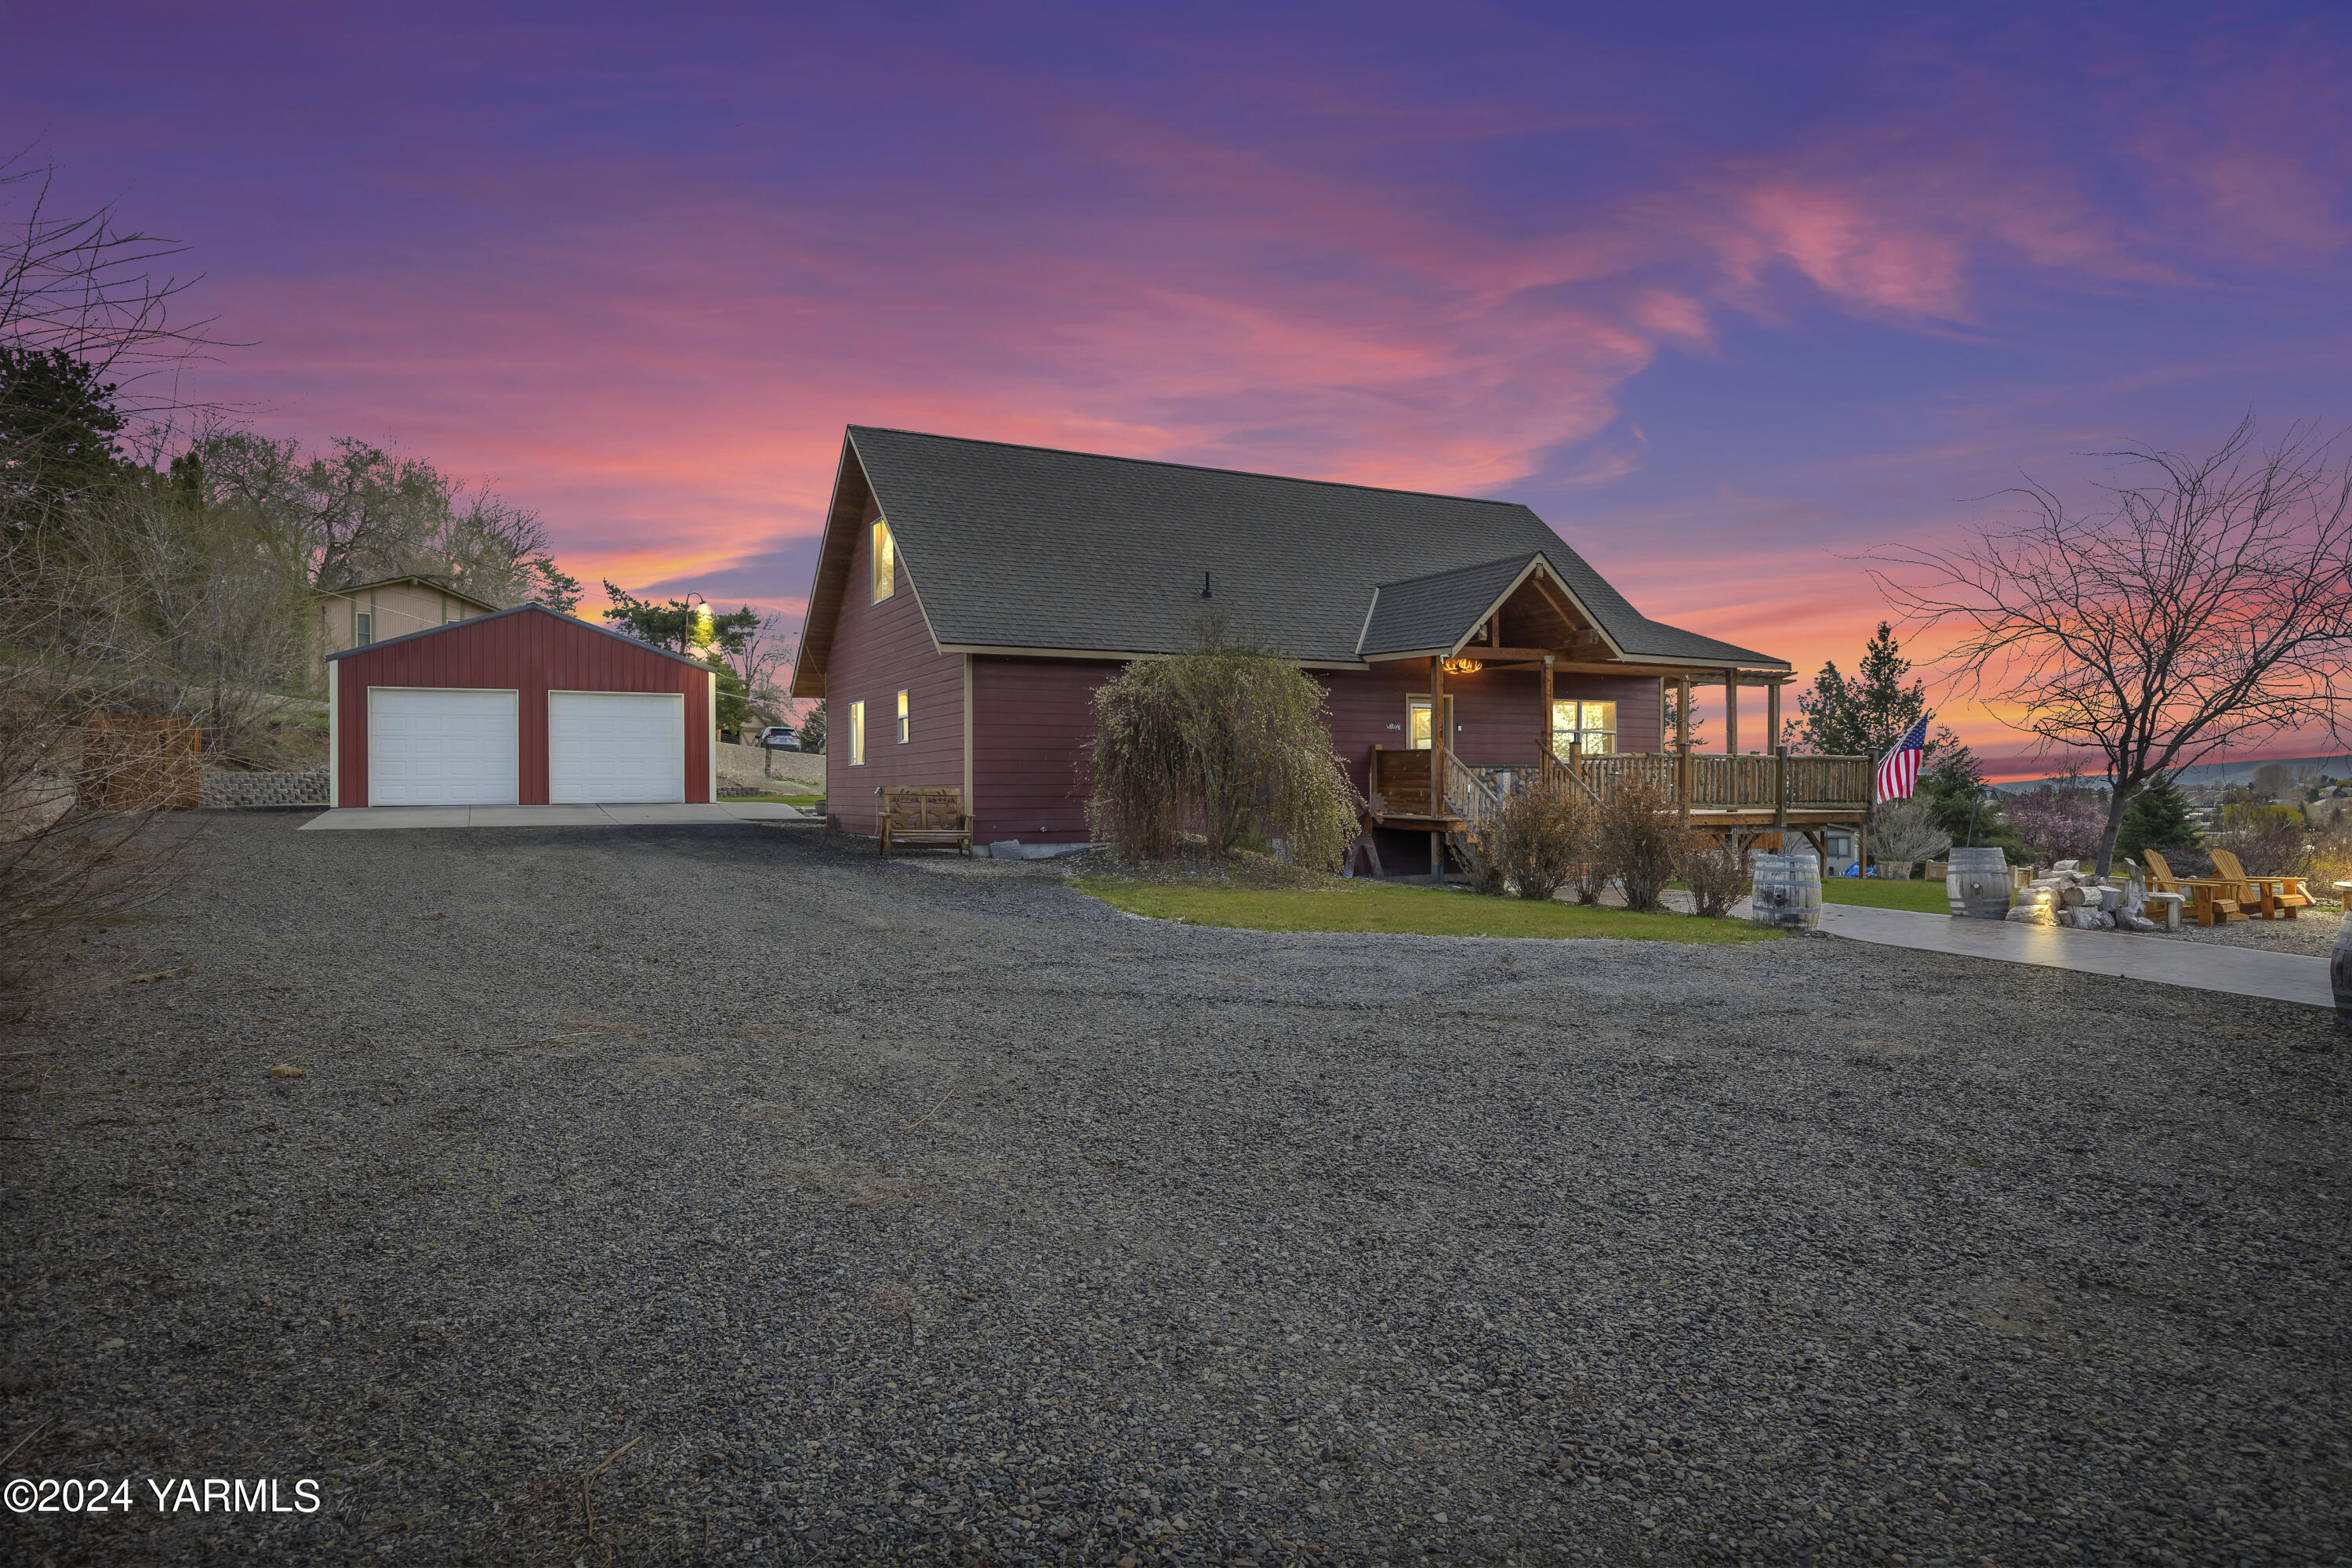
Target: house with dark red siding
[[970, 596]]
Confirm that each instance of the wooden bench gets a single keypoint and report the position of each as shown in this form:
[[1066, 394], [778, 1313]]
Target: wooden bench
[[919, 815]]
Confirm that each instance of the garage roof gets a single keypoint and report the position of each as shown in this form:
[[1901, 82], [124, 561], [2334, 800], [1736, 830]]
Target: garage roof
[[478, 621]]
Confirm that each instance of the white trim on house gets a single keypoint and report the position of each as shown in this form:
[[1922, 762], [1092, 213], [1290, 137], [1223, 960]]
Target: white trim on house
[[334, 736]]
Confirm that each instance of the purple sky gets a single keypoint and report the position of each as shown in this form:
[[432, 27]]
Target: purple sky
[[1727, 293]]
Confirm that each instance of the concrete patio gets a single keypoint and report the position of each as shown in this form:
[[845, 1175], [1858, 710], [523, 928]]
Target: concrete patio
[[387, 816], [2242, 971]]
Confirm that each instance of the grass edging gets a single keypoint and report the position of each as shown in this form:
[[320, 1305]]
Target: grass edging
[[1387, 909]]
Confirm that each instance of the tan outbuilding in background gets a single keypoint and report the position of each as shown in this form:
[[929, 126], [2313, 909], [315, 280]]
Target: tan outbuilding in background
[[368, 613]]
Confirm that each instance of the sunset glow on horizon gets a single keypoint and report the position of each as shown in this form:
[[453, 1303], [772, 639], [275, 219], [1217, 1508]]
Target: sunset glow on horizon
[[1727, 299]]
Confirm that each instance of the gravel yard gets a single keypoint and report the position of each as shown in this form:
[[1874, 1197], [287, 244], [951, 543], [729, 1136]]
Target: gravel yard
[[930, 1210], [2312, 931]]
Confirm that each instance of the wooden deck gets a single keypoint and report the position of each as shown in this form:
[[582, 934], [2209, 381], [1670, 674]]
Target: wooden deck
[[1716, 791]]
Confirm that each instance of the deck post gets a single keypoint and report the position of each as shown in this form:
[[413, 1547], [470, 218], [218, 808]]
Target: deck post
[[1772, 736], [1681, 745], [1730, 712], [1438, 737], [1543, 747], [1781, 793]]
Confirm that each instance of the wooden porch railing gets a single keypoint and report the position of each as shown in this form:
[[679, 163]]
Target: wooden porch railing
[[1736, 783], [1716, 783], [1470, 795]]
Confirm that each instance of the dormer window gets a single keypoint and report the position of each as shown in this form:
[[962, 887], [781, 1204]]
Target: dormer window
[[885, 561]]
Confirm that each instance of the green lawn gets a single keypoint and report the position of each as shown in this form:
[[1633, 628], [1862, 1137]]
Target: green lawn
[[809, 799], [1928, 898], [1385, 907]]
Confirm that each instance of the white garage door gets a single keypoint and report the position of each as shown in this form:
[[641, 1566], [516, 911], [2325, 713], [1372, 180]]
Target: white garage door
[[615, 746], [440, 748]]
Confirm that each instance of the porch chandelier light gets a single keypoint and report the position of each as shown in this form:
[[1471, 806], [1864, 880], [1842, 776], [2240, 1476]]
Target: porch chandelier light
[[1463, 667]]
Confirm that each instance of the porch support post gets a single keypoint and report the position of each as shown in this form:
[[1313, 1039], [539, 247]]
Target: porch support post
[[1682, 744], [1543, 721], [1780, 795], [1772, 736], [1439, 734], [1730, 712]]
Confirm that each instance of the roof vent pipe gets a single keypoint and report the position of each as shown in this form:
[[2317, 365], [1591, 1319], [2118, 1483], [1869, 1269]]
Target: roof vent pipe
[[1204, 584]]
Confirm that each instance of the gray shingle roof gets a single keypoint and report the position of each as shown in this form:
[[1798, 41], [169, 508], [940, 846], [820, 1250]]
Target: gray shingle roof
[[1433, 611], [1026, 547]]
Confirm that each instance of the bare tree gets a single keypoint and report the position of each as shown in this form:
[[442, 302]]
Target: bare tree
[[83, 285], [358, 512], [2204, 606], [769, 649]]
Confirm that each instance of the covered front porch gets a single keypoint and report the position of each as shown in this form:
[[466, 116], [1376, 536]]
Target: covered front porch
[[1483, 632]]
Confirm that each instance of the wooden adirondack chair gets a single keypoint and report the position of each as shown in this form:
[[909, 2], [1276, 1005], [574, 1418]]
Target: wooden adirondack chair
[[2211, 899], [924, 814], [2277, 897]]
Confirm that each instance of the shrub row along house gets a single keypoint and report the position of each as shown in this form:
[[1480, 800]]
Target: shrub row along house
[[970, 596]]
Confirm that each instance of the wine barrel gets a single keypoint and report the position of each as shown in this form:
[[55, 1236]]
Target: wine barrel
[[1977, 884], [1788, 892]]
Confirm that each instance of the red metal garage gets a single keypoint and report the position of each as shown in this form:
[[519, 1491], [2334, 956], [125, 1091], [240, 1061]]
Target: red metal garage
[[525, 707]]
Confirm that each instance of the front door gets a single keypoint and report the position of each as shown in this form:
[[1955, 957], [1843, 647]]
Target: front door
[[1416, 720]]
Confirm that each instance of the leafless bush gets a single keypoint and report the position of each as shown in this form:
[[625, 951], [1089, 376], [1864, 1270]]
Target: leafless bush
[[1715, 872], [1902, 831], [72, 855], [1541, 836], [2330, 851], [1639, 841], [1226, 740], [2271, 847]]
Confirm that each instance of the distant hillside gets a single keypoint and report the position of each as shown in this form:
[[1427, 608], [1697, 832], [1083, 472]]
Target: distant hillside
[[2335, 767]]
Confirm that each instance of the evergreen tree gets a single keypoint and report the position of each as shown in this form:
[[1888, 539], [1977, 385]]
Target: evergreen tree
[[58, 428], [812, 729], [677, 625], [734, 706], [557, 589], [1667, 720], [1863, 715], [2158, 817]]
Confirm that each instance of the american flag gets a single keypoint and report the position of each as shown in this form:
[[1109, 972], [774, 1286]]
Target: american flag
[[1898, 769]]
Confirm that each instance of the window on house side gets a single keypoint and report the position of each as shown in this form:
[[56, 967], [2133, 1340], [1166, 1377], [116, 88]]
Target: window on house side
[[858, 734], [362, 629], [1594, 722], [902, 718], [886, 562]]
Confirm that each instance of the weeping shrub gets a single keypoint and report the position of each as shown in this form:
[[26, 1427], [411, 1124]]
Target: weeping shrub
[[1541, 836], [1225, 740], [1640, 839]]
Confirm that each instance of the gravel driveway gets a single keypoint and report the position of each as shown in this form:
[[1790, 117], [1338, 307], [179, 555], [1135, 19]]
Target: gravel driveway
[[928, 1209]]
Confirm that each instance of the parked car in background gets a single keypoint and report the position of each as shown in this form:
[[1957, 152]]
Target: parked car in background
[[779, 737]]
